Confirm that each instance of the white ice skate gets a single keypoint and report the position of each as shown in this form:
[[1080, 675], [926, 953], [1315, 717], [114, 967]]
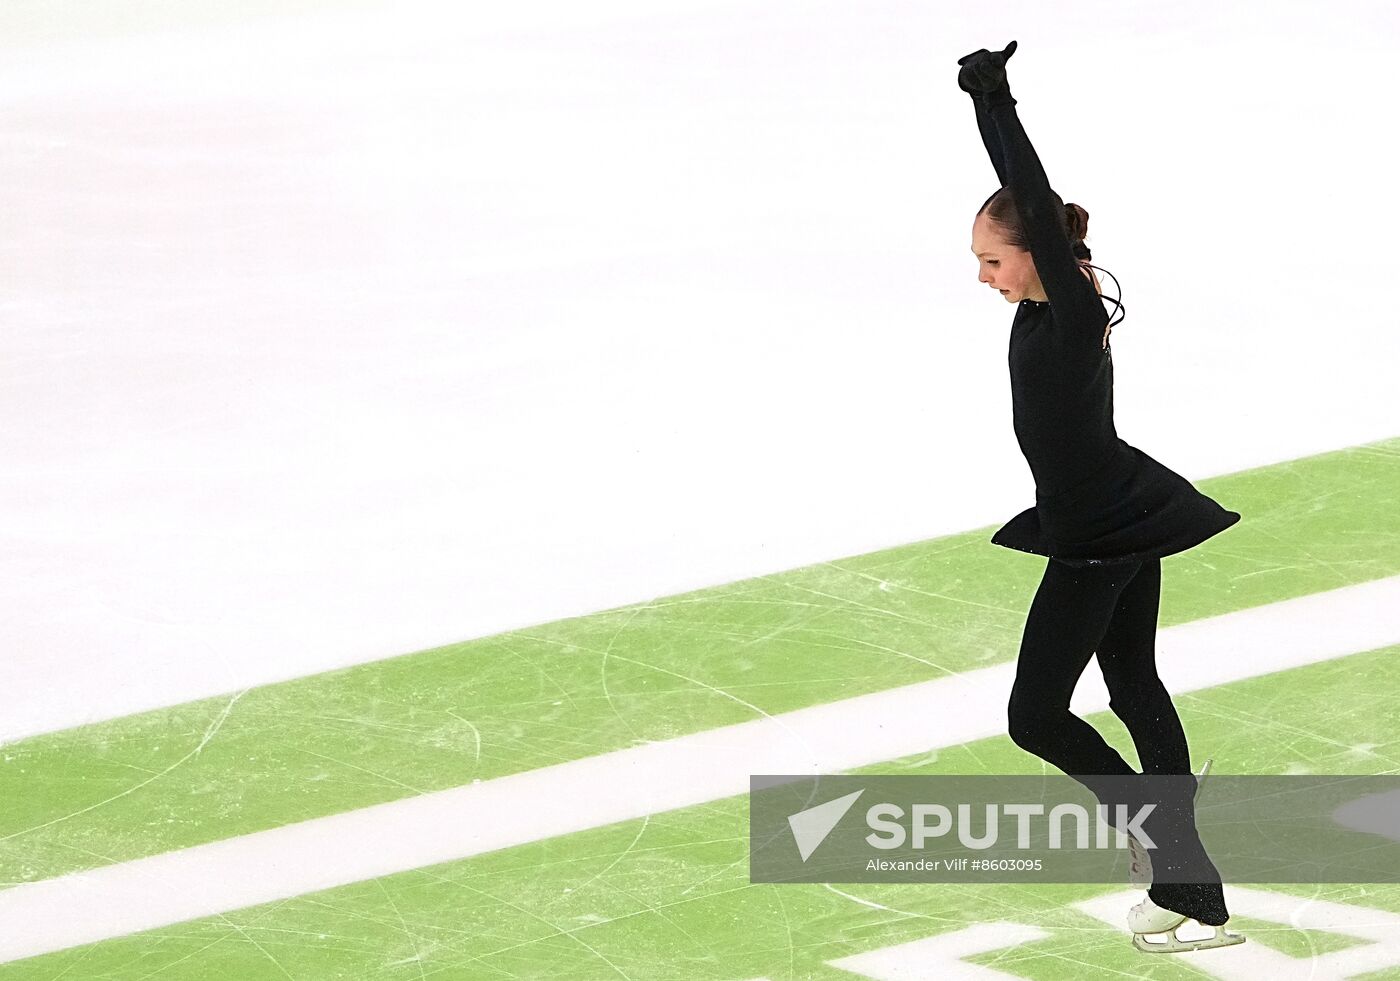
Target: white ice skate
[[1139, 860], [1147, 918]]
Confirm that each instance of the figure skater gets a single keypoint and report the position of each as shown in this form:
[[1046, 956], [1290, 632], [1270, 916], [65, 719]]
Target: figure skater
[[1105, 514]]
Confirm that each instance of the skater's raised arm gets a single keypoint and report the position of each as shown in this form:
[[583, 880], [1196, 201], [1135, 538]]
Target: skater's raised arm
[[1072, 296], [991, 139]]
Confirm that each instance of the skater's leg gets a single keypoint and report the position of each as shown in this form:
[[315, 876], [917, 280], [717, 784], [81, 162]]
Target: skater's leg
[[1070, 612], [1184, 878], [1128, 658]]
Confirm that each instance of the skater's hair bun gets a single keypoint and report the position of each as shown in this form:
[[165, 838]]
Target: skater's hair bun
[[1077, 224], [1001, 208]]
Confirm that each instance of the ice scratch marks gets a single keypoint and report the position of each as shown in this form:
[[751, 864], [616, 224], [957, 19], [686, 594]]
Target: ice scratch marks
[[475, 733], [263, 950], [209, 733], [214, 727], [923, 592], [646, 822], [417, 957], [607, 654], [1200, 702], [844, 601], [889, 909], [374, 773], [571, 933], [603, 672]]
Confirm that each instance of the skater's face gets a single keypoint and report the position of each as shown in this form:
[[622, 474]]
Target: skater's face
[[1004, 267]]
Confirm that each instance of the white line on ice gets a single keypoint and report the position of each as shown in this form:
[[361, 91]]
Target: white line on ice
[[354, 846]]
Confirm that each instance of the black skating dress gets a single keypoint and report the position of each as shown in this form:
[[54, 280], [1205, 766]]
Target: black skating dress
[[1098, 499]]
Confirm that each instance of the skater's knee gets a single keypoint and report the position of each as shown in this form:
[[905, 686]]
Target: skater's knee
[[1126, 670], [1128, 697], [1035, 728]]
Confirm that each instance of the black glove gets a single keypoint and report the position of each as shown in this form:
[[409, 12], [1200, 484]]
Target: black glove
[[984, 72]]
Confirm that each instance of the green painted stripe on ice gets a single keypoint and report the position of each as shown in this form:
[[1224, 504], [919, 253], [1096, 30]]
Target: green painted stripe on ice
[[347, 739], [668, 896]]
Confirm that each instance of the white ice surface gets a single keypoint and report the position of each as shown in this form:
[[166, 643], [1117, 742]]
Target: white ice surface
[[346, 332]]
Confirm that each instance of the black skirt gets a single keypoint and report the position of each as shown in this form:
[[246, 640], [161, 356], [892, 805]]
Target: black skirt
[[1132, 510]]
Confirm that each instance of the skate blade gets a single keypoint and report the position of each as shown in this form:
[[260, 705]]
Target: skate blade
[[1200, 777], [1175, 945]]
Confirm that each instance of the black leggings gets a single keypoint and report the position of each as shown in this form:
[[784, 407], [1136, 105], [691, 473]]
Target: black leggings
[[1111, 609]]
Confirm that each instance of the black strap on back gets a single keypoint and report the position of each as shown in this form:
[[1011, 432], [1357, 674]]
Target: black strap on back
[[1120, 311]]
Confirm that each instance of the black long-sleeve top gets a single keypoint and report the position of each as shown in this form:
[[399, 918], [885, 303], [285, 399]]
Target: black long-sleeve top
[[1098, 499], [1061, 367]]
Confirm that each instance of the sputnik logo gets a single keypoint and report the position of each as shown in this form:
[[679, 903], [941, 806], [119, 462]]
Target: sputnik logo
[[810, 827]]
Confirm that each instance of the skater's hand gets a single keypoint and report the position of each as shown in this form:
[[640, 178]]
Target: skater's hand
[[984, 71]]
